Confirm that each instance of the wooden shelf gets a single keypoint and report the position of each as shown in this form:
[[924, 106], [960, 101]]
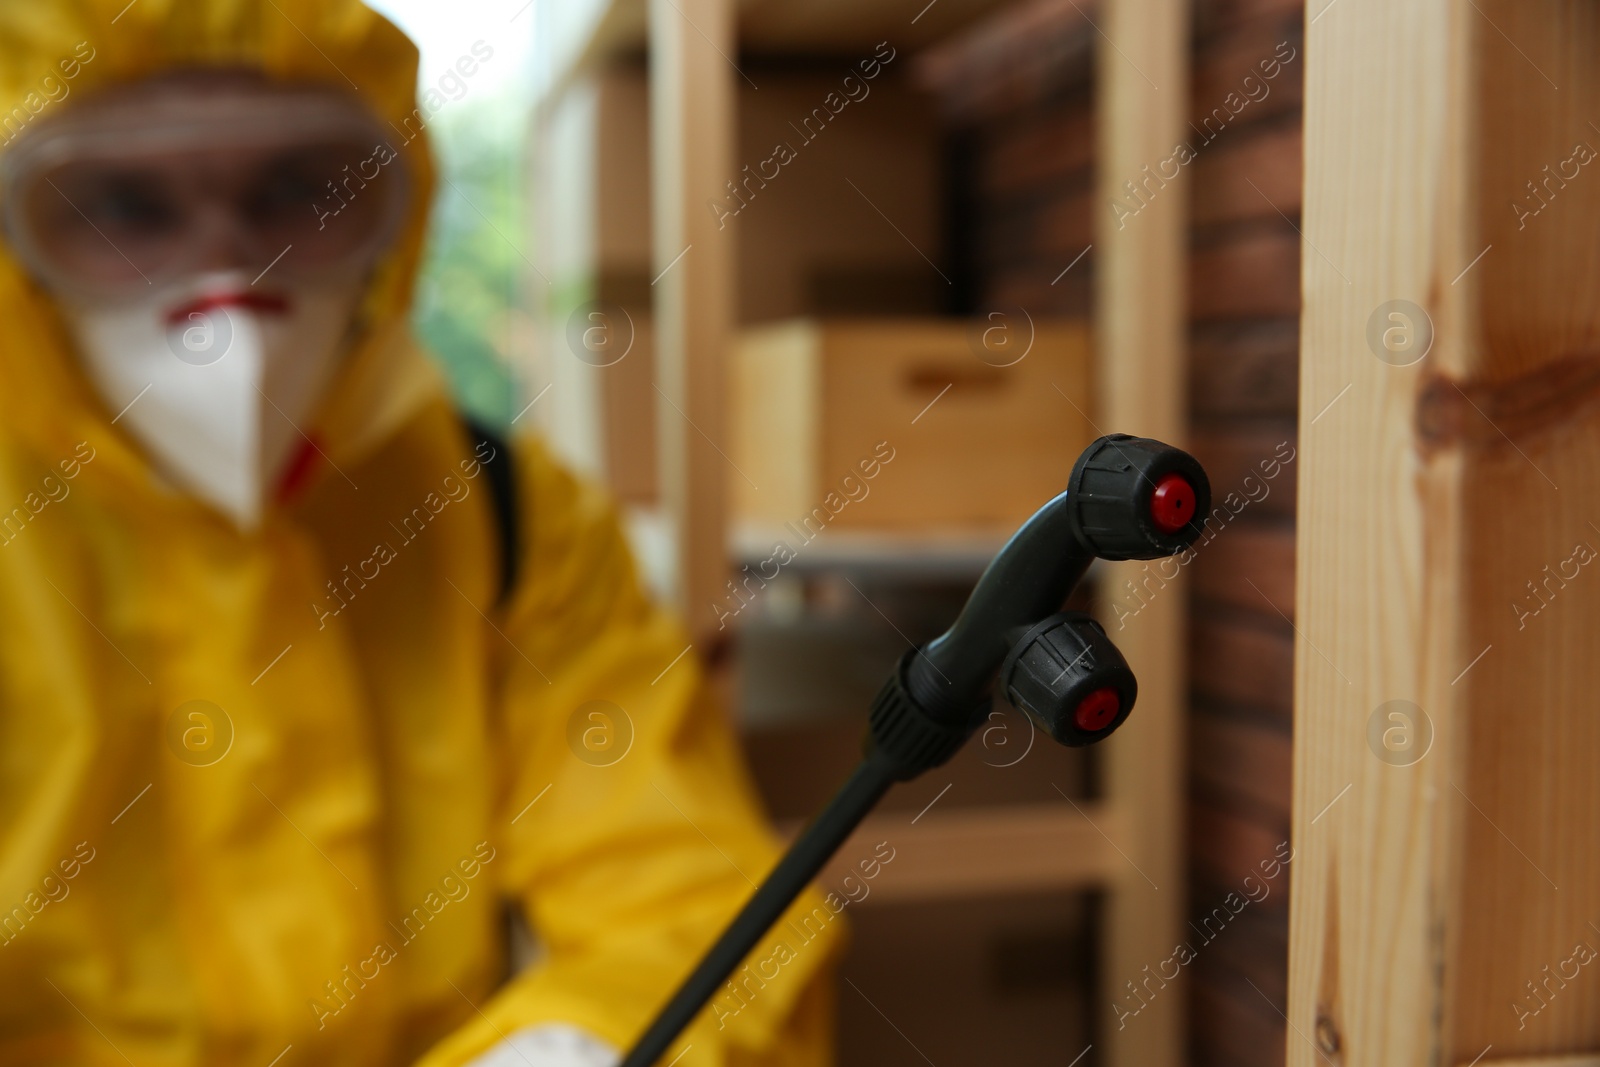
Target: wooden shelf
[[976, 852], [912, 554], [590, 31]]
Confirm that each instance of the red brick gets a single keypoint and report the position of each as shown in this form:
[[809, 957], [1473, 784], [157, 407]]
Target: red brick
[[1257, 175], [1213, 17], [1226, 1030], [1245, 368], [1231, 456], [1053, 147], [1251, 275], [1243, 760], [1024, 54], [1248, 552], [1228, 845], [1029, 286], [1240, 663], [1221, 69], [1067, 226]]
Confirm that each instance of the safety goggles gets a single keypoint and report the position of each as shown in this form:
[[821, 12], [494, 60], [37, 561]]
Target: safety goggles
[[128, 193]]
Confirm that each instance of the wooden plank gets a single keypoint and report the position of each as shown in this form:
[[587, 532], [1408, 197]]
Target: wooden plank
[[1140, 327], [1361, 920], [692, 134], [1527, 795], [964, 853], [1426, 899]]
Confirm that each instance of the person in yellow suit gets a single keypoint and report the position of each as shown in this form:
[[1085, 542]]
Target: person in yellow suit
[[286, 730]]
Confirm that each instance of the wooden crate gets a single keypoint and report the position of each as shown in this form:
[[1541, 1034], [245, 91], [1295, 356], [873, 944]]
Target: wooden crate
[[898, 423]]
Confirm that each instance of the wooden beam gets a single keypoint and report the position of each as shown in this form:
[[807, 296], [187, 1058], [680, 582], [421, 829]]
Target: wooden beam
[[1141, 101], [692, 94], [983, 852], [1442, 889]]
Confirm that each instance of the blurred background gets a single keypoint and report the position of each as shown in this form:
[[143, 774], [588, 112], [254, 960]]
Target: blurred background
[[909, 192]]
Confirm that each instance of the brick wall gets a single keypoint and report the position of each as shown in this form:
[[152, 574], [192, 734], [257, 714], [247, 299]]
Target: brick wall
[[1244, 301], [1017, 99]]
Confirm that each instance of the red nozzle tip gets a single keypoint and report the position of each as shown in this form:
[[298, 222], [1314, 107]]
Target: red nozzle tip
[[1172, 504], [1097, 710]]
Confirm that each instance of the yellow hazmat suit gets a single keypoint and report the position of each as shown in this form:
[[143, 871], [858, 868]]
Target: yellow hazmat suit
[[270, 795]]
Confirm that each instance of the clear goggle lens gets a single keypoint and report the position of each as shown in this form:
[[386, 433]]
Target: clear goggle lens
[[318, 193]]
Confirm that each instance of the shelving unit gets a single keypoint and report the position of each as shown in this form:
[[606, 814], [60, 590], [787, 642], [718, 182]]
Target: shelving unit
[[670, 70]]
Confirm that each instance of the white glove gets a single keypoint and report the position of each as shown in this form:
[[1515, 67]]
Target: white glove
[[550, 1045]]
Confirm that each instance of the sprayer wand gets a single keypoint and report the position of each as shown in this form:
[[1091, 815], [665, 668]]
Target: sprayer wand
[[1127, 498]]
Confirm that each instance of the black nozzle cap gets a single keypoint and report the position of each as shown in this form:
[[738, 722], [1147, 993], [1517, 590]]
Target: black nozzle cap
[[1068, 677], [1136, 498]]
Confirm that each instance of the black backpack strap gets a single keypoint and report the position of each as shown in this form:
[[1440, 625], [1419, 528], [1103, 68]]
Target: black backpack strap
[[501, 471]]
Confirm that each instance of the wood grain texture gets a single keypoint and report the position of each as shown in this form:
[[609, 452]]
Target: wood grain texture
[[1140, 326], [1527, 783], [1362, 952], [1426, 899]]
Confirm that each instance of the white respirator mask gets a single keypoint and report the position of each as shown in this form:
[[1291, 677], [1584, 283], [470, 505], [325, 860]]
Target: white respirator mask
[[216, 381], [208, 238]]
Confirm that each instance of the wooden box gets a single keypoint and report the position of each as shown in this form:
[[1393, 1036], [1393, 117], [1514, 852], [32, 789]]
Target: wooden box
[[898, 424]]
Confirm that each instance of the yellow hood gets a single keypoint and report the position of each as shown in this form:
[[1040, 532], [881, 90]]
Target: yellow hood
[[53, 54]]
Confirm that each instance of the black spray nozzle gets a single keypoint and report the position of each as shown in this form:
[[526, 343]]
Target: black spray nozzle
[[1127, 498], [1135, 498], [1068, 677]]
